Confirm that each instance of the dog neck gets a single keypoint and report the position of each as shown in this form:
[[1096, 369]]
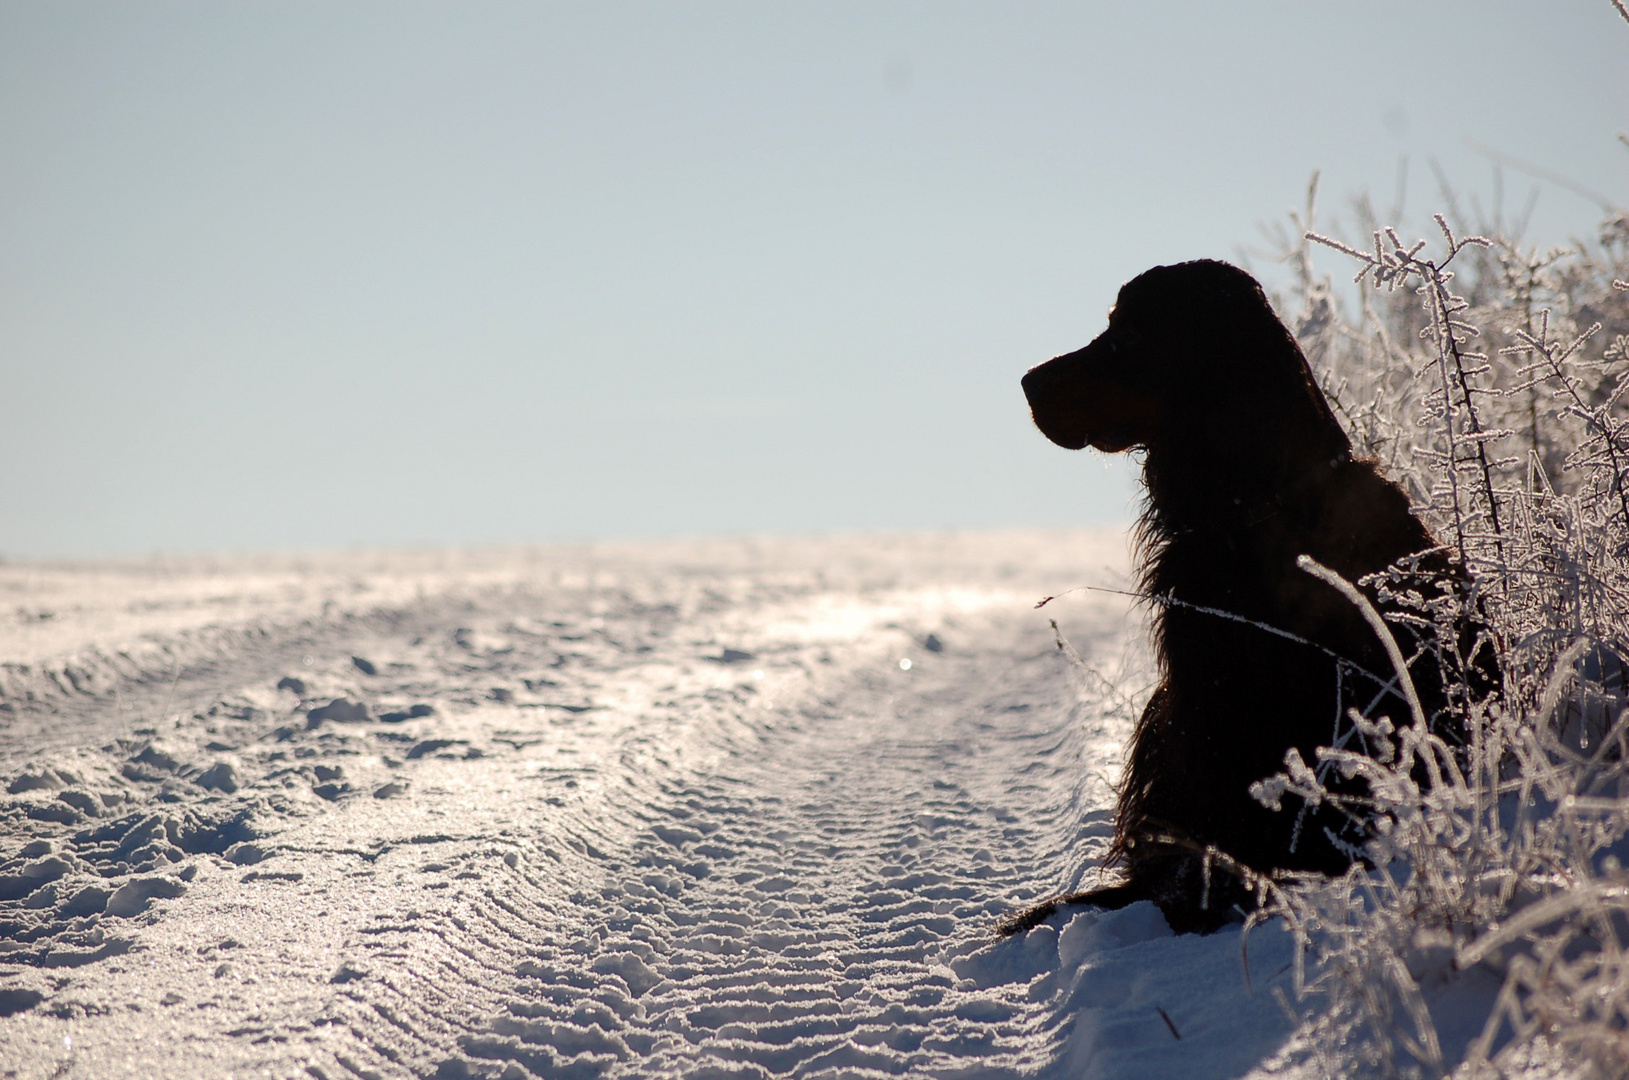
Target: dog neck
[[1216, 481]]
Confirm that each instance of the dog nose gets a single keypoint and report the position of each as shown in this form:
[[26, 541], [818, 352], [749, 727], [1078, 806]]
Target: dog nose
[[1039, 380], [1031, 383]]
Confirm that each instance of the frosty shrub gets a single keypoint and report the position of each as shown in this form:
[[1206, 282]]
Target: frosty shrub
[[1487, 936]]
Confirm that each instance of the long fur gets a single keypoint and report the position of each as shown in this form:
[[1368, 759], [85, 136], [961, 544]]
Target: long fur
[[1245, 469]]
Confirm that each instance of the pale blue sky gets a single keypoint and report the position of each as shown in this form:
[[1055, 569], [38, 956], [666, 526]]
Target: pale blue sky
[[300, 275]]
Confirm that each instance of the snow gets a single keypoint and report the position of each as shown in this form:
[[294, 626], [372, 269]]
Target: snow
[[653, 809]]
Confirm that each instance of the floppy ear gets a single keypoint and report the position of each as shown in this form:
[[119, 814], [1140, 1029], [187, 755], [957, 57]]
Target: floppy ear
[[1249, 376], [1278, 358]]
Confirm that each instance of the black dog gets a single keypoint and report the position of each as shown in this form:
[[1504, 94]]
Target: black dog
[[1246, 468]]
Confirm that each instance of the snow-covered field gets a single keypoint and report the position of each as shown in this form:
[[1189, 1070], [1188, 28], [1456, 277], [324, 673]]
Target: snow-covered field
[[743, 808]]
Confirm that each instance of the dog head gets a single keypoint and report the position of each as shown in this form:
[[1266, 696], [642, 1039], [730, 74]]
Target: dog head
[[1183, 341]]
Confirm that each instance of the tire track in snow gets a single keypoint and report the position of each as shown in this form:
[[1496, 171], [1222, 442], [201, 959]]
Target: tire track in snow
[[798, 910], [673, 812]]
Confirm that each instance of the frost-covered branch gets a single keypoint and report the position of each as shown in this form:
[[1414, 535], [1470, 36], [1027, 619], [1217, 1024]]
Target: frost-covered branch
[[1505, 855]]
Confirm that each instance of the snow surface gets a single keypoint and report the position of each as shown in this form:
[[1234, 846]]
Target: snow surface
[[703, 809]]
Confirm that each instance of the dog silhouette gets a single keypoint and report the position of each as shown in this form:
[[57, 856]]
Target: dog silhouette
[[1245, 469]]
